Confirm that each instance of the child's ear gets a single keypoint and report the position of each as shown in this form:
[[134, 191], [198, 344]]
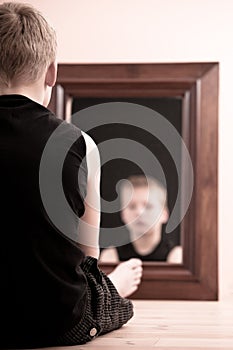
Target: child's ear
[[165, 215], [51, 74]]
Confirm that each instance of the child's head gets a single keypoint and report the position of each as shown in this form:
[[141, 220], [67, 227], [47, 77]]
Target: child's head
[[143, 203], [27, 45]]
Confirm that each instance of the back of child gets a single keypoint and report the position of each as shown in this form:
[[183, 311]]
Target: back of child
[[52, 291]]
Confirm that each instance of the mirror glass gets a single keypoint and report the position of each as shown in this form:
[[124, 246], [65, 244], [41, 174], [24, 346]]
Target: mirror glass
[[139, 180]]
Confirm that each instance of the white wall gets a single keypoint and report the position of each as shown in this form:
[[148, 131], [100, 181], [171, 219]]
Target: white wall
[[159, 31]]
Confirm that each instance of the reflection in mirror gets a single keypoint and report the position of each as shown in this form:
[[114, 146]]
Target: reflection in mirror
[[126, 233], [144, 211]]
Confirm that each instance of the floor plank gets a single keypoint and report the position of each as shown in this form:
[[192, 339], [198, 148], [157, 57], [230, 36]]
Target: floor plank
[[171, 325]]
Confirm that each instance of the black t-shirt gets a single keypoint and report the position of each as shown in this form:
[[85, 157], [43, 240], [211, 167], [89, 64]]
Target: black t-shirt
[[159, 253], [42, 286]]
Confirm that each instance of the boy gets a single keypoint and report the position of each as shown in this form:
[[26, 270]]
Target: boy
[[52, 291], [143, 210]]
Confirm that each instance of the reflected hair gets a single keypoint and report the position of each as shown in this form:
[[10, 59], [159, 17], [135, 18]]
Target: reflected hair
[[140, 181]]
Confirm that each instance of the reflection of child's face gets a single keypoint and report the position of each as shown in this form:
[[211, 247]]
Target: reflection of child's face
[[141, 209]]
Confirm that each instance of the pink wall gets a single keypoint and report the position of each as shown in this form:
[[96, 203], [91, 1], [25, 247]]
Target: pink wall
[[159, 31]]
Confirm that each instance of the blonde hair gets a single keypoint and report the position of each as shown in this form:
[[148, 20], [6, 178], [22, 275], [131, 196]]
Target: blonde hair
[[147, 182], [27, 43]]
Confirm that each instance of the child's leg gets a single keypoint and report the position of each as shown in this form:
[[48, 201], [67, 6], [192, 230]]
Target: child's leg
[[104, 309]]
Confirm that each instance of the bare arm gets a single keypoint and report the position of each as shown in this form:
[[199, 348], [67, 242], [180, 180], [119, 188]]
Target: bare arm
[[89, 224], [175, 255], [109, 255]]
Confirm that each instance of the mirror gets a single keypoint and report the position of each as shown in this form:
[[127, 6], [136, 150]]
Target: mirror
[[140, 153], [186, 95]]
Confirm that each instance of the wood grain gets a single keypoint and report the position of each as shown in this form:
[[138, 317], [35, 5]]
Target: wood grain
[[171, 325]]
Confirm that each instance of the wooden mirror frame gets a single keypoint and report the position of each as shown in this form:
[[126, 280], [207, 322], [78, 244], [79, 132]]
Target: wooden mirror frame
[[197, 84]]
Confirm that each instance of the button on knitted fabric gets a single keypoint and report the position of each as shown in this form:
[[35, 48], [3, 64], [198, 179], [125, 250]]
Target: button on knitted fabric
[[93, 332]]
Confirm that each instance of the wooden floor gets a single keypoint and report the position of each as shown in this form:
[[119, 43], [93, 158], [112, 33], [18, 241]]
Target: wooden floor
[[171, 325]]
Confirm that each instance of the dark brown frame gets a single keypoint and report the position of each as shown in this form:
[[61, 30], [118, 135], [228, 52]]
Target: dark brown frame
[[197, 84]]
